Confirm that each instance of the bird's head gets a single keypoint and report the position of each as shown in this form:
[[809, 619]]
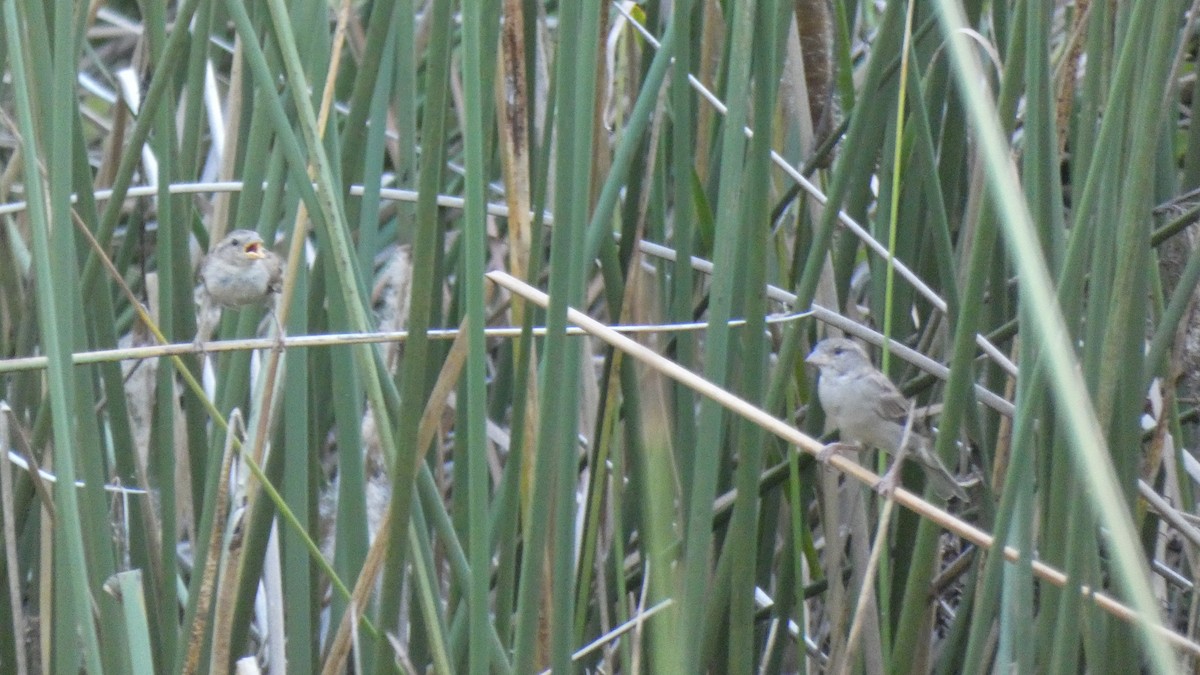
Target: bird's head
[[838, 355], [244, 246]]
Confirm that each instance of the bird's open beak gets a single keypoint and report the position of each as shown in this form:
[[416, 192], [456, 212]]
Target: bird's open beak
[[254, 250]]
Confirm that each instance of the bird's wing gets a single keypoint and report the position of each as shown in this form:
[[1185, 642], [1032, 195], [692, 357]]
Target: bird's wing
[[892, 404], [275, 266]]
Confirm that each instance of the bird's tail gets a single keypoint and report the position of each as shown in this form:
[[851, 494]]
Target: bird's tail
[[944, 482]]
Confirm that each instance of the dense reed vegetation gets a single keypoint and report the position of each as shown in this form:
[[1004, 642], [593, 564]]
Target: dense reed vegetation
[[433, 452]]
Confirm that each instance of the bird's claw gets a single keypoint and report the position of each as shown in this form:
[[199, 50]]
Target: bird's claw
[[972, 479], [886, 487], [832, 449]]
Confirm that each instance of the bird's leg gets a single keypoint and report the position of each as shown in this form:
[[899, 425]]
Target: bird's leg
[[200, 346], [273, 312], [278, 346], [208, 315], [887, 485], [206, 322]]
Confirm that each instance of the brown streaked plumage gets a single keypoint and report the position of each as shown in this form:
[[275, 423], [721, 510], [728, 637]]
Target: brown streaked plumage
[[867, 409]]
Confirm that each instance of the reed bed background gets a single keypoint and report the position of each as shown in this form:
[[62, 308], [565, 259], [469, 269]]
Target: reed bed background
[[442, 469]]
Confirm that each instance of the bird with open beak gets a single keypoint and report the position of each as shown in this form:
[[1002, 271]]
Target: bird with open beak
[[239, 271]]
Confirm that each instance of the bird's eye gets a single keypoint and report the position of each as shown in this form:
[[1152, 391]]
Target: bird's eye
[[235, 242], [838, 351]]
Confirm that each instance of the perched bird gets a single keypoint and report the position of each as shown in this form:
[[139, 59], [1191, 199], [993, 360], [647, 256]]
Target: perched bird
[[238, 272], [868, 410]]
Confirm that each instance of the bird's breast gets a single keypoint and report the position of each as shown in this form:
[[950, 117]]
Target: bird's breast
[[240, 288], [844, 410]]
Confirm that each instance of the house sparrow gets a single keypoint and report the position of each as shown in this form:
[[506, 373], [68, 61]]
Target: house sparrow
[[238, 272], [868, 410]]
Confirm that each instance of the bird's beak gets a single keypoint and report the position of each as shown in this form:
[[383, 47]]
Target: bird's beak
[[816, 359], [254, 250]]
